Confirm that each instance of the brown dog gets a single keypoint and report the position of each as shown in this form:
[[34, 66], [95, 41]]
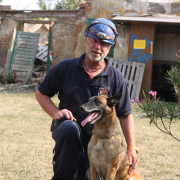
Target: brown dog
[[106, 151]]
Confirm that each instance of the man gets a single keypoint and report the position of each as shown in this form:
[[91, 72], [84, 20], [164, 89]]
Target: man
[[75, 81]]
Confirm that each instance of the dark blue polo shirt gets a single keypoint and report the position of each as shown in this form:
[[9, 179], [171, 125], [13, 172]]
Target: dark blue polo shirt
[[74, 87]]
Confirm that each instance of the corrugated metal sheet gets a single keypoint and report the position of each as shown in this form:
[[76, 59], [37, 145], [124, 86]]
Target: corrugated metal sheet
[[165, 19], [24, 53]]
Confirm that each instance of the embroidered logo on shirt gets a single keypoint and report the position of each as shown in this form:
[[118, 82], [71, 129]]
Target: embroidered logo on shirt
[[103, 90]]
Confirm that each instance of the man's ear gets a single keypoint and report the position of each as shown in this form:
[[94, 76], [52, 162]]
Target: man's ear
[[112, 101]]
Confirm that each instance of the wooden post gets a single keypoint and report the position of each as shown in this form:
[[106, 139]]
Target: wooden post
[[49, 48], [151, 48], [20, 26]]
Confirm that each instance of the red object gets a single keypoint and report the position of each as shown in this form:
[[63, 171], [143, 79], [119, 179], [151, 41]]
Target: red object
[[50, 25], [50, 55]]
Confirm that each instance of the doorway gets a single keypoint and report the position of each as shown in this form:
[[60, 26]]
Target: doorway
[[166, 45]]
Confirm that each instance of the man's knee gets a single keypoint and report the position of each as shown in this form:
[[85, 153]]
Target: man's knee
[[67, 129]]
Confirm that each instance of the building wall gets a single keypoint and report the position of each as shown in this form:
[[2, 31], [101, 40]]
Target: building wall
[[101, 9], [151, 7], [68, 30], [6, 29], [105, 8], [122, 44], [80, 27], [63, 35], [143, 31], [71, 29]]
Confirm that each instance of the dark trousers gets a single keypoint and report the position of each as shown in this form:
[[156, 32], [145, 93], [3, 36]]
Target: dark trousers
[[69, 162]]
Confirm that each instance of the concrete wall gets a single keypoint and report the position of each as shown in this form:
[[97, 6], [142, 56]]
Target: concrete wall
[[148, 7], [122, 44], [105, 8]]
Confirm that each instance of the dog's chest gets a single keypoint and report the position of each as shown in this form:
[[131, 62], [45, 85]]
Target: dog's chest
[[104, 151]]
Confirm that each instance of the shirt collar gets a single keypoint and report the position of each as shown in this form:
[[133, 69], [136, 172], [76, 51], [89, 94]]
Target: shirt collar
[[104, 73], [80, 60]]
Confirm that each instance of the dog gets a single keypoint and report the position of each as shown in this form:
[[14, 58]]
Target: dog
[[106, 151]]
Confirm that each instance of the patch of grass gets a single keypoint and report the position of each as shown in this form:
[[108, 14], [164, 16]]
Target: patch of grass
[[26, 143], [158, 153]]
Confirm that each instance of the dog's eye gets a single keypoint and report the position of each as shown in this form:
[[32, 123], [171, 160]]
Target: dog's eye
[[96, 101]]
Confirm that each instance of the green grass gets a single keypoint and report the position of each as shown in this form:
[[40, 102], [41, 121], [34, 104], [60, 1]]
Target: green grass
[[26, 143]]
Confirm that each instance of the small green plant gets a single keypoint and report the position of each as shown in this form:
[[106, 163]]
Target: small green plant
[[173, 77], [163, 114]]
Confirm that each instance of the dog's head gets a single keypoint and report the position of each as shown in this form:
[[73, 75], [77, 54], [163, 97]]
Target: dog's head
[[97, 106]]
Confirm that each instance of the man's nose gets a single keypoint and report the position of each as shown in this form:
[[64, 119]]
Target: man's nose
[[98, 45]]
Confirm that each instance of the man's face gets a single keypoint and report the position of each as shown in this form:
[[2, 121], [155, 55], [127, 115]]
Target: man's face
[[96, 50]]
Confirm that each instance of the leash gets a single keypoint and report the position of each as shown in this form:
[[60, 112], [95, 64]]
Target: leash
[[83, 156], [82, 149]]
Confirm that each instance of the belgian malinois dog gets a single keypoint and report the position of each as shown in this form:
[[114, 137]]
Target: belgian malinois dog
[[106, 151]]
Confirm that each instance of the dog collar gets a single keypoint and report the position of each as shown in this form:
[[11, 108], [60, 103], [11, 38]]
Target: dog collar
[[133, 147]]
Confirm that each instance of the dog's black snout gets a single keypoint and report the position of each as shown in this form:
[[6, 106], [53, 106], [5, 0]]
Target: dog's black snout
[[81, 108]]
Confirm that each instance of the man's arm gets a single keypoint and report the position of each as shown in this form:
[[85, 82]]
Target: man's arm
[[50, 108], [128, 128]]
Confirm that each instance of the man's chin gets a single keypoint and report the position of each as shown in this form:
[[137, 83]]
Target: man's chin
[[95, 59]]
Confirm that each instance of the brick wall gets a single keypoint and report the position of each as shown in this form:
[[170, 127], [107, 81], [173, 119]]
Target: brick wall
[[6, 28], [4, 45], [66, 32], [80, 27], [93, 9], [63, 38]]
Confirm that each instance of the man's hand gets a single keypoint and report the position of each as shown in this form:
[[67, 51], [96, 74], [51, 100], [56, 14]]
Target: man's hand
[[127, 125], [64, 112], [132, 158], [51, 109]]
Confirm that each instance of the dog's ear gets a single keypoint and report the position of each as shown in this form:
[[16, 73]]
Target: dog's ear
[[112, 101]]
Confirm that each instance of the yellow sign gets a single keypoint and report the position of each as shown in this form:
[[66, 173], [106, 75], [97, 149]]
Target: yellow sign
[[139, 44]]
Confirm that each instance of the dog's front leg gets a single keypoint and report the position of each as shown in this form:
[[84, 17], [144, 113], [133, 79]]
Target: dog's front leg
[[111, 173], [93, 173]]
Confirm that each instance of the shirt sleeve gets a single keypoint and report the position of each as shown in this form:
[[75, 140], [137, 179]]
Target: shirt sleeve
[[51, 83], [124, 106]]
